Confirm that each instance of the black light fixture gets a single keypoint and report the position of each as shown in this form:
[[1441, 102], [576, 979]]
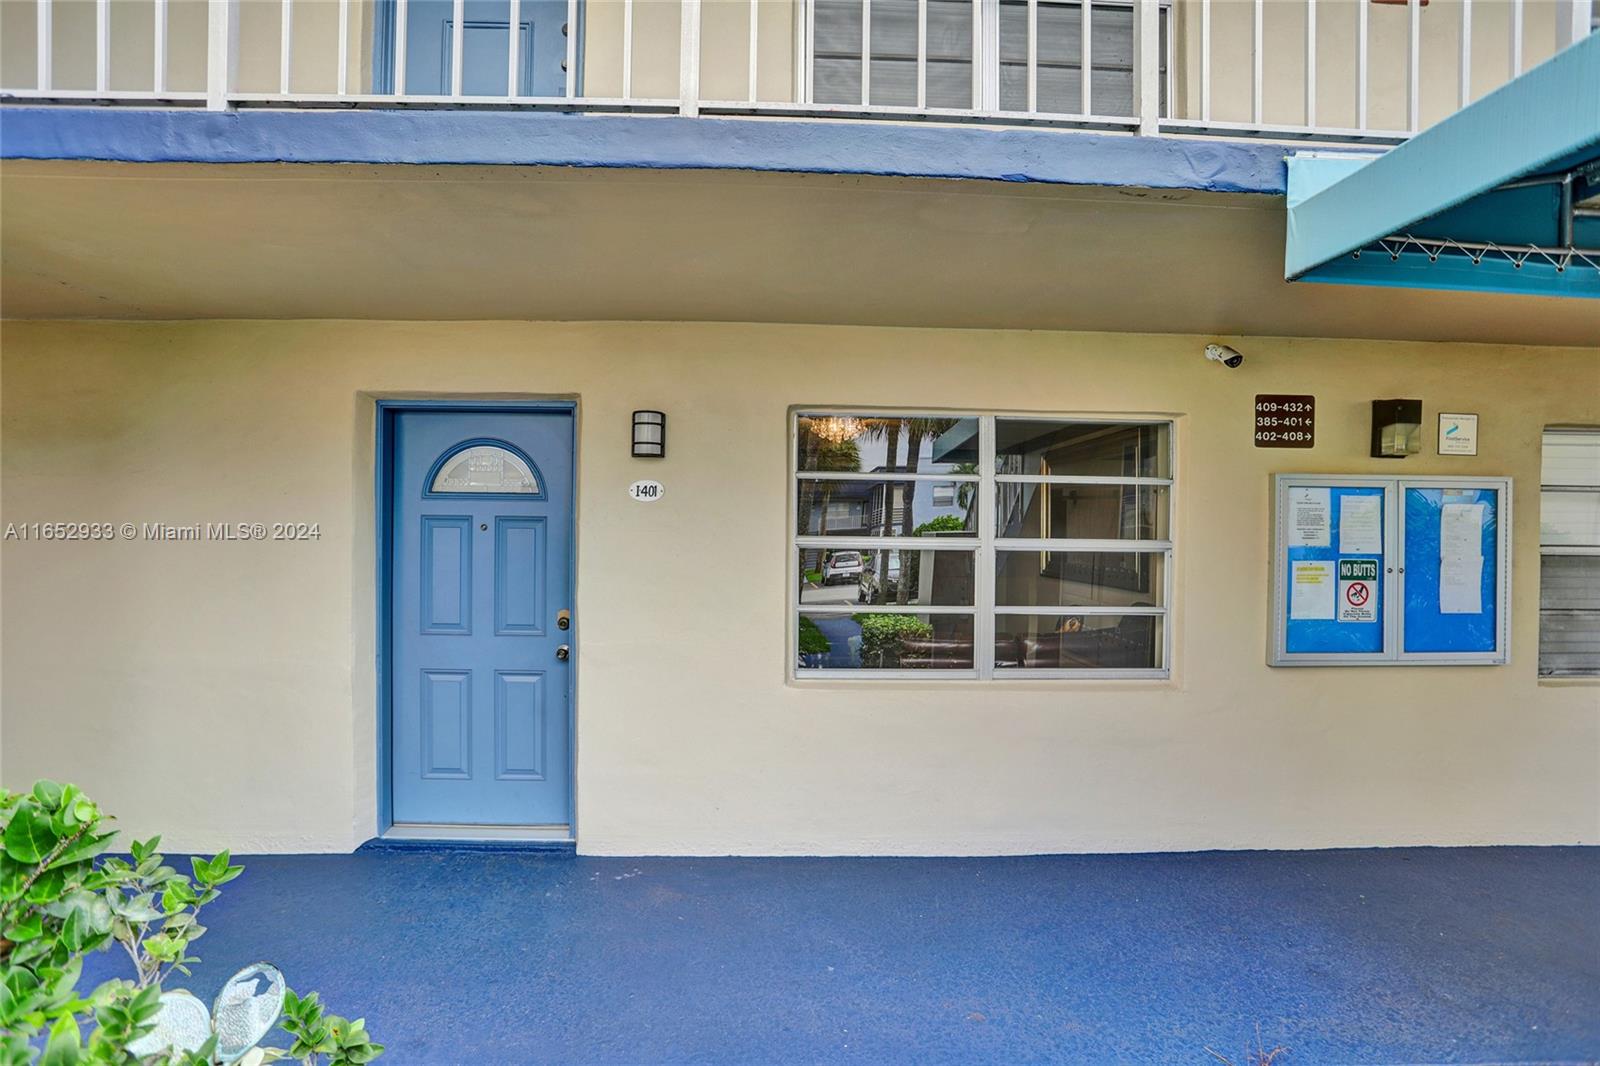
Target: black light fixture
[[650, 435], [1396, 428]]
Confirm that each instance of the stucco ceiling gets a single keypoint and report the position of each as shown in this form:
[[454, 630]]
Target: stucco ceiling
[[154, 241]]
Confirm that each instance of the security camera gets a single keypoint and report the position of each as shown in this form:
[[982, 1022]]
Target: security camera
[[1221, 353]]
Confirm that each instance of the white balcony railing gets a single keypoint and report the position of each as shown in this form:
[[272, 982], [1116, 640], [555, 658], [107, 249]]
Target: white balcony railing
[[1318, 69]]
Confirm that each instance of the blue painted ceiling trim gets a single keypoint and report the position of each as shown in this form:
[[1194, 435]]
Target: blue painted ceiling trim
[[1547, 116], [1059, 157]]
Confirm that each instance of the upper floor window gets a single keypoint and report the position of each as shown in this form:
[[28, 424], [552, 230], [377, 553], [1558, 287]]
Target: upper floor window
[[981, 545], [948, 78], [1569, 553]]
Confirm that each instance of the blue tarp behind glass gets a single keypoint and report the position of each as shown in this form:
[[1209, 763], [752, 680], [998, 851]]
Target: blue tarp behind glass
[[1310, 636], [1427, 628]]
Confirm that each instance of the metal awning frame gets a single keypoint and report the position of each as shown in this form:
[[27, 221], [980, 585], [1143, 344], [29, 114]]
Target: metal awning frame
[[1542, 129]]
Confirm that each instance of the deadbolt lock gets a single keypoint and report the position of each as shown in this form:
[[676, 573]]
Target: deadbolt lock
[[563, 619]]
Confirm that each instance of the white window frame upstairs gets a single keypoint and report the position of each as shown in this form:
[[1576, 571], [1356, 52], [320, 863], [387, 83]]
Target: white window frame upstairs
[[986, 47], [983, 548]]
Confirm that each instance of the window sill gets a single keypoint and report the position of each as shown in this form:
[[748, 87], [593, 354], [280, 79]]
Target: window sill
[[1076, 681]]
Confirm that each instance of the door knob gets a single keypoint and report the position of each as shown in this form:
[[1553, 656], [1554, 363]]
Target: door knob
[[563, 653]]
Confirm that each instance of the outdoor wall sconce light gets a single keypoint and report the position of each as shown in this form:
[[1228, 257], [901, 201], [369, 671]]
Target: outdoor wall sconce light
[[1396, 428], [650, 434]]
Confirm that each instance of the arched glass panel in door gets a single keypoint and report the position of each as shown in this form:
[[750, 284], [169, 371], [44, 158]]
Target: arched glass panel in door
[[484, 468]]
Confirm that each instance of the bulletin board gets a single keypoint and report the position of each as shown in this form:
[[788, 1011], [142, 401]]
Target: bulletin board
[[1452, 539], [1389, 571], [1334, 624]]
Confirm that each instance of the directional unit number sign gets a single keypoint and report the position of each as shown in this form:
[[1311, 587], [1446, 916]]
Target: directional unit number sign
[[1285, 421]]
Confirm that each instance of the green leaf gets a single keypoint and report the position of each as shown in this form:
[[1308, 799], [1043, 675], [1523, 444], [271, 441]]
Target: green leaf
[[139, 908], [27, 929], [29, 837], [64, 1044], [48, 793], [87, 847], [177, 895]]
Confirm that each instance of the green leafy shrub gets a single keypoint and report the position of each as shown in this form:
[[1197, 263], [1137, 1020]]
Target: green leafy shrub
[[61, 898], [812, 642], [945, 523], [883, 637]]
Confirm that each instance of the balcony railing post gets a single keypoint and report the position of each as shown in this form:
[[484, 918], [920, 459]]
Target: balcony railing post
[[222, 37], [1147, 65], [1573, 18], [689, 58]]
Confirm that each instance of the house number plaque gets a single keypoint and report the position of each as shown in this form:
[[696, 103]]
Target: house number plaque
[[1285, 421]]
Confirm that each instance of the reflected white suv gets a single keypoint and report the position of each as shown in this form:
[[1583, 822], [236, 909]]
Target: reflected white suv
[[842, 566]]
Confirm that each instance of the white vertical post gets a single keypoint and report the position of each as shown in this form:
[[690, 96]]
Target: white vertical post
[[1033, 57], [1086, 57], [42, 41], [1361, 66], [1464, 97], [402, 35], [158, 31], [866, 52], [514, 49], [990, 53], [1311, 63], [688, 57], [343, 65], [220, 31], [805, 62], [285, 44], [1256, 110], [627, 49], [1573, 19], [1147, 65], [977, 54], [755, 47], [458, 46], [572, 49], [922, 53], [1205, 60], [1516, 37], [102, 46], [1414, 66]]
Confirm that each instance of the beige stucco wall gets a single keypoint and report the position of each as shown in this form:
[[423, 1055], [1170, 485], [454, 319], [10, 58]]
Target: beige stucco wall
[[224, 694]]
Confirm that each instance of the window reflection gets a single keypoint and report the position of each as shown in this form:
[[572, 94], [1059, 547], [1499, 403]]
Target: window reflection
[[1079, 579], [885, 641], [848, 576], [1081, 449], [869, 444], [886, 508], [1078, 642], [1081, 512]]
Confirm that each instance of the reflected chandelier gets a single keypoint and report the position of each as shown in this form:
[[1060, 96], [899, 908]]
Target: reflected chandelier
[[837, 430]]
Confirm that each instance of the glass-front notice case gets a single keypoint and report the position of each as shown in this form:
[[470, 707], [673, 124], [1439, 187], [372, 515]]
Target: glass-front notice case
[[1390, 571]]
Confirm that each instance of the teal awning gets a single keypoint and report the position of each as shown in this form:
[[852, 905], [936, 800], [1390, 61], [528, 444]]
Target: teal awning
[[1502, 196]]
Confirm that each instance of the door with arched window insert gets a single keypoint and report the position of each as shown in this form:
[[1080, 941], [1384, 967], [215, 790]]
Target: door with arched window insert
[[481, 622]]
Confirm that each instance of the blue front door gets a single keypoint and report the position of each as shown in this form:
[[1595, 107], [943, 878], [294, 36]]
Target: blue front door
[[430, 47], [482, 628]]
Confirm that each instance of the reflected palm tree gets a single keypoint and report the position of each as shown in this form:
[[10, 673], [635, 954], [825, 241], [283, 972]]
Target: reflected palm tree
[[821, 455]]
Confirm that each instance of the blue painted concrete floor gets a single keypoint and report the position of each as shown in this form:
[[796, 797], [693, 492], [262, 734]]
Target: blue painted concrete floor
[[1373, 956]]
